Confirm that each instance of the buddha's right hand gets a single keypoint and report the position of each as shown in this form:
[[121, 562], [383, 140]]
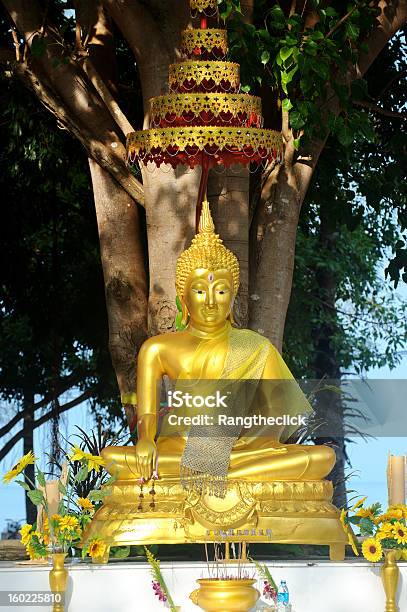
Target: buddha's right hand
[[146, 454]]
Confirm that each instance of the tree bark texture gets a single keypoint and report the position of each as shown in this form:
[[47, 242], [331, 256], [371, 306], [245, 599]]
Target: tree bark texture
[[228, 193], [124, 273]]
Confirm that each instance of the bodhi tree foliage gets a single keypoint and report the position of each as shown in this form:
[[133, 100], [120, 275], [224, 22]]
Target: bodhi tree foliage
[[306, 58]]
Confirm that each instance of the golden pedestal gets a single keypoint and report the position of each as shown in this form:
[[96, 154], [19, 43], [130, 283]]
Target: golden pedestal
[[286, 512]]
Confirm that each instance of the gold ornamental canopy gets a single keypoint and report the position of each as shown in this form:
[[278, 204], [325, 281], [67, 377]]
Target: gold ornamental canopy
[[204, 119]]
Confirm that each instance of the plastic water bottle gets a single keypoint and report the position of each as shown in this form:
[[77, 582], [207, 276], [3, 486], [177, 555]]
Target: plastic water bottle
[[283, 596]]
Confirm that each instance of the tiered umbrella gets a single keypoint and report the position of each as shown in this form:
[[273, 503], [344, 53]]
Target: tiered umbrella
[[204, 119]]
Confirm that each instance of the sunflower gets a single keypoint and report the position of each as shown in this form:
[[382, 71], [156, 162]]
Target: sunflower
[[86, 504], [97, 548], [365, 513], [393, 514], [385, 531], [400, 533], [359, 504], [68, 523], [343, 518], [372, 550], [399, 508], [26, 533], [94, 462], [19, 467]]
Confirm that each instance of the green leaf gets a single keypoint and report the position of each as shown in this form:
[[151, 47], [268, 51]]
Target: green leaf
[[121, 552], [352, 30], [367, 525], [245, 88], [61, 488], [287, 104], [41, 478], [277, 13], [345, 135], [287, 77], [285, 53], [296, 143], [23, 484], [38, 46], [265, 57], [36, 497], [317, 35], [97, 495], [82, 474], [359, 89], [321, 68], [296, 120]]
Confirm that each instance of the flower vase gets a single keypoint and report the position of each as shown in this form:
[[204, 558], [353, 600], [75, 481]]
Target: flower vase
[[58, 580], [390, 578]]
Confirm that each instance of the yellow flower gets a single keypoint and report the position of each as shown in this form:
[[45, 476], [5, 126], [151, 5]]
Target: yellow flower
[[19, 467], [359, 504], [393, 513], [26, 533], [385, 531], [94, 462], [400, 533], [56, 517], [86, 504], [353, 541], [399, 508], [365, 513], [68, 523], [97, 548], [372, 550], [342, 518], [31, 552]]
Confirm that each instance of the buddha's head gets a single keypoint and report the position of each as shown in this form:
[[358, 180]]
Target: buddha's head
[[207, 277]]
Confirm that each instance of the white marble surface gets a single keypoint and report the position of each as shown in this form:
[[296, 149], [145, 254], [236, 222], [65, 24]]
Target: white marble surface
[[351, 586]]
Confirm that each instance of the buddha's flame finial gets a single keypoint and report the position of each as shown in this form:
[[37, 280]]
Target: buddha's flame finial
[[206, 224], [206, 251]]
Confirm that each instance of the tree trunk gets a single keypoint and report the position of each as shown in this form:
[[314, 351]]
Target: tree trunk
[[329, 406], [228, 194], [124, 273], [28, 445]]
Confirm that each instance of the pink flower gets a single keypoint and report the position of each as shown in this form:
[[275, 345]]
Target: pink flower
[[158, 591], [269, 592]]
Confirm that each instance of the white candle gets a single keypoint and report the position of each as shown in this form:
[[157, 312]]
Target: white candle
[[396, 479]]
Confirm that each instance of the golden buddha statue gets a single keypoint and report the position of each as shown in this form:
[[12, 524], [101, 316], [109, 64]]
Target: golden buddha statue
[[211, 478]]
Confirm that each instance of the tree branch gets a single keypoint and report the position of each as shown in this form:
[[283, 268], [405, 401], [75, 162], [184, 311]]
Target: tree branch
[[378, 109], [61, 388], [103, 91], [69, 86], [95, 147], [46, 417]]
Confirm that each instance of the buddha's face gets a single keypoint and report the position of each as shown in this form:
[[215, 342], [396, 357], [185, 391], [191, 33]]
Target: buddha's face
[[209, 297]]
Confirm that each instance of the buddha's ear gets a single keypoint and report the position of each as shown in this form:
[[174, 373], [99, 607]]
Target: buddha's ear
[[185, 313], [230, 317]]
